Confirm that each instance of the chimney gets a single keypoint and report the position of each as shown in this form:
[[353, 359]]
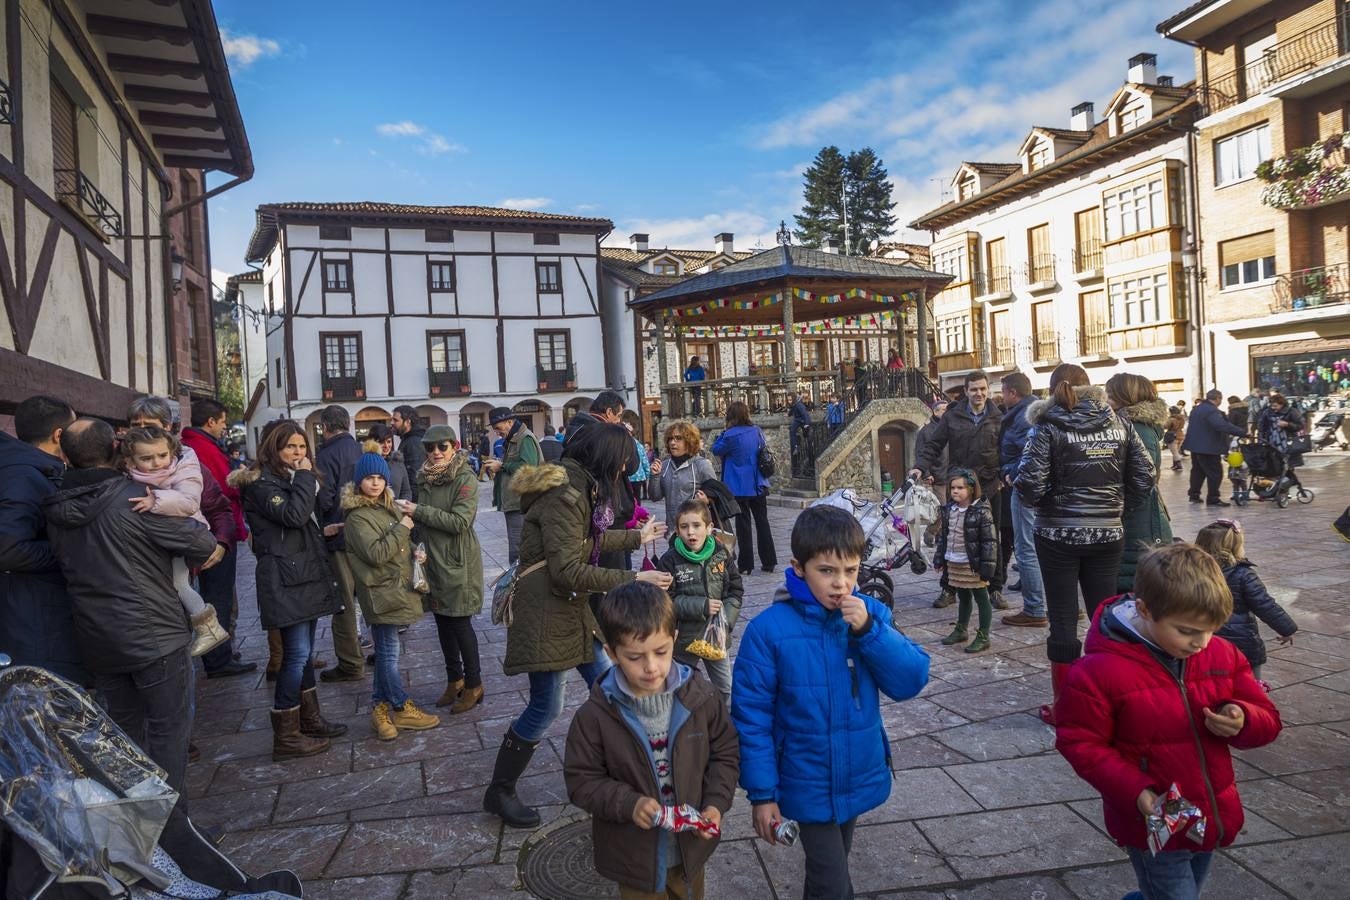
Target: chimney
[[1165, 81], [1143, 69], [830, 245], [1080, 119], [637, 241], [723, 243]]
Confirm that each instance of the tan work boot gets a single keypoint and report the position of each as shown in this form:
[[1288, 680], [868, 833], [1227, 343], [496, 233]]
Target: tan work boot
[[412, 718], [470, 698], [381, 723], [287, 741], [206, 631], [452, 692]]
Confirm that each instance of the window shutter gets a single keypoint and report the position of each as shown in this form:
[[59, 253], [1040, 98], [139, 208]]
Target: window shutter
[[1253, 246], [65, 152]]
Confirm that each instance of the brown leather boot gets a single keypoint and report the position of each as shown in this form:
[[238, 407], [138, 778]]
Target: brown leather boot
[[470, 698], [452, 692], [312, 721], [274, 652], [288, 742]]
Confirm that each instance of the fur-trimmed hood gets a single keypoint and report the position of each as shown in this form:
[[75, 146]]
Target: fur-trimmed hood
[[354, 499], [242, 478], [1048, 409], [538, 479], [1149, 412]]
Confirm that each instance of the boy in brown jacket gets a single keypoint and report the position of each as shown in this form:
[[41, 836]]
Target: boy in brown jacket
[[652, 734]]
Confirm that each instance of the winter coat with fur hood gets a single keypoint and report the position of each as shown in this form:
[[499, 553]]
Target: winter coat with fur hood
[[1083, 467], [295, 581], [553, 625], [1251, 601], [447, 504], [379, 550], [1146, 525], [980, 534]]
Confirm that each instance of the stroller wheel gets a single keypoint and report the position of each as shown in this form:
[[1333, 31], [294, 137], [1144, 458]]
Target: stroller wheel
[[1282, 499], [884, 579], [1305, 495]]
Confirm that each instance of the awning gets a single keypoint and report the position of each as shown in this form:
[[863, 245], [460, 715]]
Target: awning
[[1309, 345]]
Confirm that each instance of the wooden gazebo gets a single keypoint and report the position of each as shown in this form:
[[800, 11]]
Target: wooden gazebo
[[783, 293]]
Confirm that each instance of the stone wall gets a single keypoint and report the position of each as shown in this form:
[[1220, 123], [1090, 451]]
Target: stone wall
[[856, 471]]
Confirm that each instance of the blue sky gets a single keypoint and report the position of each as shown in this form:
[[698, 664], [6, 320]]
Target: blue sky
[[681, 120]]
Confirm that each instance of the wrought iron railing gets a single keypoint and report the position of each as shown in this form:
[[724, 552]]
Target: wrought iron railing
[[442, 383], [6, 105], [998, 280], [1302, 52], [1040, 269], [73, 187], [344, 387], [564, 379], [1087, 257], [1045, 346], [1093, 343], [1001, 355], [1311, 288]]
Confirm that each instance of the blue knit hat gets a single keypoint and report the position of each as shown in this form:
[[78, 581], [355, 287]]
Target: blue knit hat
[[370, 464]]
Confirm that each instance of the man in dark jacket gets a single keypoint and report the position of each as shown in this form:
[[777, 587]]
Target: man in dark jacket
[[923, 437], [404, 423], [335, 462], [129, 623], [551, 446], [1020, 517], [36, 628], [800, 421], [1208, 434], [969, 432], [209, 425]]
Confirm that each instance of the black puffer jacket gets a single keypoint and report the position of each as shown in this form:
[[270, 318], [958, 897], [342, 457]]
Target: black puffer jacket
[[981, 538], [1083, 467], [970, 443], [295, 581], [1251, 601]]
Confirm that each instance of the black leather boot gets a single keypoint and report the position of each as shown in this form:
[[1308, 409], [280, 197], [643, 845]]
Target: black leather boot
[[500, 799]]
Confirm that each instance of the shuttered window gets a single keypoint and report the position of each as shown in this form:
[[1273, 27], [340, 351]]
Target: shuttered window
[[1247, 260], [65, 146]]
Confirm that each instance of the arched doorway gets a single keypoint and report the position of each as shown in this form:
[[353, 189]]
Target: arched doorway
[[473, 423], [893, 440], [574, 406], [428, 415], [314, 432], [371, 415], [534, 413]]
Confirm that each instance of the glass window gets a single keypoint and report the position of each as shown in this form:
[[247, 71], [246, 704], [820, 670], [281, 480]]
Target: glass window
[[813, 355], [764, 354], [548, 275], [1236, 157], [446, 351], [666, 267], [1139, 207], [1251, 271], [951, 262], [341, 355], [441, 275], [552, 350], [952, 334], [1139, 301], [337, 275], [1133, 115]]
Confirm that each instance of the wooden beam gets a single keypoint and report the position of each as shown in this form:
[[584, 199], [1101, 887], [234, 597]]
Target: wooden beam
[[177, 142], [140, 93], [152, 118], [194, 162], [88, 394], [137, 30], [150, 65]]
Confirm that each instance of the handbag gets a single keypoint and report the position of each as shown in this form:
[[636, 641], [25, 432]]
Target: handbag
[[1300, 443], [765, 461], [504, 592]]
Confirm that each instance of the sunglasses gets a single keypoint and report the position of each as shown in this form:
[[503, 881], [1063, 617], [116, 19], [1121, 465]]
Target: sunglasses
[[1231, 524], [442, 446]]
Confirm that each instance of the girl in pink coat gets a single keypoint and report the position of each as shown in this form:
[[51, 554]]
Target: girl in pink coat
[[173, 487]]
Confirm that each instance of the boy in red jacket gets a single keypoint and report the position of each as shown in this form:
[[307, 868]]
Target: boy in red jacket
[[1155, 702]]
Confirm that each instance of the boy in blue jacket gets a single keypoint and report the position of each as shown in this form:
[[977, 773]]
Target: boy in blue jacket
[[805, 702]]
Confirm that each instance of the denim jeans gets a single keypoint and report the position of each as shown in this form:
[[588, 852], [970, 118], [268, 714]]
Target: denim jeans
[[217, 588], [515, 522], [297, 673], [1024, 528], [717, 670], [388, 686], [153, 706], [1171, 875], [547, 694]]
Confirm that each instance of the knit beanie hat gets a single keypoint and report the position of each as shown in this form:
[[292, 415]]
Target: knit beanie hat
[[370, 464]]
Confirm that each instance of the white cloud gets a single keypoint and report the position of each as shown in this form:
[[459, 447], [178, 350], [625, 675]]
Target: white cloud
[[585, 207], [525, 202], [696, 232], [428, 142], [244, 49]]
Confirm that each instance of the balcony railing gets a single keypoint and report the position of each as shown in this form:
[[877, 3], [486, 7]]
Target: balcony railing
[[1040, 269], [998, 280], [1300, 53], [6, 105], [1311, 288], [1002, 355], [551, 380], [1045, 346], [1093, 343], [77, 190], [1087, 257], [344, 387], [442, 383]]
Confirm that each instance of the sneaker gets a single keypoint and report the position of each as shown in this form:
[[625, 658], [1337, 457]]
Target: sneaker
[[997, 601], [1026, 620], [412, 718], [382, 723], [945, 599]]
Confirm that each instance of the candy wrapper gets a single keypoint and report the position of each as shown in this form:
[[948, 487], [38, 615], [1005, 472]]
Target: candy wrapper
[[786, 831], [713, 644], [419, 571], [1173, 814], [685, 818]]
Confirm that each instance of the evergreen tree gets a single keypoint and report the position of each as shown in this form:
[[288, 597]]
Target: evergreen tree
[[869, 200], [229, 367]]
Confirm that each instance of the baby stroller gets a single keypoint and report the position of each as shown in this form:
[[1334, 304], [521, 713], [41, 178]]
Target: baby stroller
[[1264, 472], [84, 813], [888, 540]]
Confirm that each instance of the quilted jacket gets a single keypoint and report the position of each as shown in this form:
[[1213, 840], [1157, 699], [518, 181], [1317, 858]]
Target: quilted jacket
[[1125, 722], [1251, 601], [805, 701], [980, 534]]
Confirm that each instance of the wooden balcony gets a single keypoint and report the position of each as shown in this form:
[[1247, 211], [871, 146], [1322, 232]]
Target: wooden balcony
[[961, 361], [1156, 339]]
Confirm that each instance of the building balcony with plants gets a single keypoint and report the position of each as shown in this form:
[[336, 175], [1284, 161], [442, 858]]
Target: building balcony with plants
[[1309, 177]]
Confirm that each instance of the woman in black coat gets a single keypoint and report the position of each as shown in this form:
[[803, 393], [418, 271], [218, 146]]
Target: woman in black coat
[[296, 586], [1278, 425]]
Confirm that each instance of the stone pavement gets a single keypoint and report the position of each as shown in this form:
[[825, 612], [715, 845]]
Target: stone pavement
[[982, 806]]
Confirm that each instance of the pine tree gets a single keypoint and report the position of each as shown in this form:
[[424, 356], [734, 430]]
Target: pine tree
[[869, 200]]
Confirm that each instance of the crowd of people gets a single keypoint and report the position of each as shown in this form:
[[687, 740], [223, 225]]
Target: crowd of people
[[119, 554]]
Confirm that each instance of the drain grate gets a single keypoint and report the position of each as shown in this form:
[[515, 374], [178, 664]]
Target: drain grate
[[555, 863]]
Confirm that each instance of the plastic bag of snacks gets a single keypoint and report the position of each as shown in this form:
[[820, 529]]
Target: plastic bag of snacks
[[713, 644], [419, 570], [1173, 814], [685, 818]]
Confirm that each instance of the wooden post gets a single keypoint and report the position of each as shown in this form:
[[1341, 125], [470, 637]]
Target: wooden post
[[661, 362], [789, 341], [921, 323]]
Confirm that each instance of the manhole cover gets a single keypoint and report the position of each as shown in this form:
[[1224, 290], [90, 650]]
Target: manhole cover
[[555, 863]]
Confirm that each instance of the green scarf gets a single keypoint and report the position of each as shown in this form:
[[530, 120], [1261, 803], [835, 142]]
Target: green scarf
[[700, 556]]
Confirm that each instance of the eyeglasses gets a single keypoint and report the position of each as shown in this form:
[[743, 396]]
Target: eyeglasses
[[442, 446], [1231, 524]]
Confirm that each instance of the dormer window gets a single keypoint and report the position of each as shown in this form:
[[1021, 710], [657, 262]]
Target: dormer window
[[966, 187], [1040, 155], [1134, 114], [666, 267]]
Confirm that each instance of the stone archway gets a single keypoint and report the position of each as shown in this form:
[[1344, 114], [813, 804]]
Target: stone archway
[[535, 414], [429, 414], [574, 406], [368, 416], [313, 432], [473, 423]]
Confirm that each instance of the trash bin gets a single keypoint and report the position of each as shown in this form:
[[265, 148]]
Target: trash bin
[[887, 484]]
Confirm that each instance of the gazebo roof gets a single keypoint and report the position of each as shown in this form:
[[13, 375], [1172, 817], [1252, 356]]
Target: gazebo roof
[[743, 293]]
